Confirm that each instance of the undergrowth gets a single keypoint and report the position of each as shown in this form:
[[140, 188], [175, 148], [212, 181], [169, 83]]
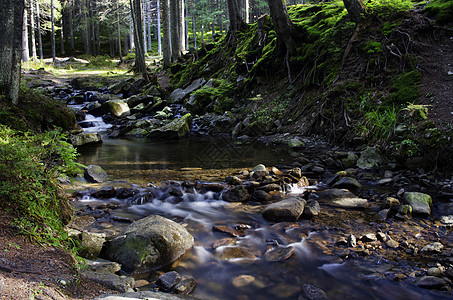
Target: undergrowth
[[29, 166]]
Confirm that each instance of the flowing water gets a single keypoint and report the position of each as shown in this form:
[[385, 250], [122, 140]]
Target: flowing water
[[222, 273]]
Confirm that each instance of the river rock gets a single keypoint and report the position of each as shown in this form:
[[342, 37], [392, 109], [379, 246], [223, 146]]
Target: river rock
[[233, 180], [348, 183], [237, 193], [311, 209], [167, 281], [179, 94], [148, 244], [104, 193], [350, 160], [81, 222], [92, 244], [102, 266], [228, 252], [342, 198], [95, 173], [177, 128], [261, 196], [389, 202], [81, 139], [290, 209], [432, 248], [420, 203], [118, 108], [369, 159], [279, 253], [431, 282], [143, 295], [312, 292], [243, 280], [259, 167], [110, 280], [296, 143], [369, 237], [270, 187], [185, 286]]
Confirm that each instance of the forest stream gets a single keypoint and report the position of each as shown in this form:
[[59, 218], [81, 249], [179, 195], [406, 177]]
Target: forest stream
[[238, 254]]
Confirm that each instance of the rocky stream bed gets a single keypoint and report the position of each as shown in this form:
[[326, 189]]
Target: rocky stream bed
[[318, 222]]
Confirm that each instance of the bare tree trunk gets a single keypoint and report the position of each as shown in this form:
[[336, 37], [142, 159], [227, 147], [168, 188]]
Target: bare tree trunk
[[194, 27], [355, 9], [282, 25], [71, 30], [52, 35], [131, 34], [11, 20], [247, 11], [148, 15], [235, 16], [175, 30], [159, 36], [145, 44], [182, 25], [38, 24], [186, 27], [126, 44], [140, 64], [166, 44], [118, 29], [25, 49], [33, 29], [85, 27], [62, 38]]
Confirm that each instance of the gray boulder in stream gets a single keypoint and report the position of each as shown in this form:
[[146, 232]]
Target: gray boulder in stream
[[342, 198], [177, 128], [148, 244], [95, 173], [289, 209], [420, 203], [81, 139]]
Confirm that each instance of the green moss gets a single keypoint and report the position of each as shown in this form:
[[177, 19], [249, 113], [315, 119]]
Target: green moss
[[213, 98], [373, 47], [405, 88], [441, 10]]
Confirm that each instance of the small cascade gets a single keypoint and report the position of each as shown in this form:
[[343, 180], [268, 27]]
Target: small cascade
[[93, 124]]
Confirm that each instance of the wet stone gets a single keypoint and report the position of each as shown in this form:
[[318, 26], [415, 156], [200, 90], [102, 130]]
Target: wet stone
[[231, 231], [432, 248], [270, 187], [369, 237], [389, 202], [261, 196], [233, 180], [278, 253], [105, 193], [312, 292], [348, 183], [236, 194], [431, 282], [243, 280], [223, 242], [392, 243], [311, 209], [227, 253], [352, 241], [167, 281], [420, 203], [186, 286]]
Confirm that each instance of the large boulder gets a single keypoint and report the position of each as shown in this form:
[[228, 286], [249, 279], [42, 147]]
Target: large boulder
[[118, 108], [369, 159], [177, 128], [95, 173], [110, 280], [148, 244], [290, 209], [237, 193], [179, 94], [342, 198], [420, 203], [81, 139]]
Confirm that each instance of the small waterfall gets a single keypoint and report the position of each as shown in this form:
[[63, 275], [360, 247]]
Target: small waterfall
[[93, 124]]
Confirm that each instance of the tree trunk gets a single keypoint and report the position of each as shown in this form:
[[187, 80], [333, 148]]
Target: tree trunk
[[355, 9], [175, 29], [166, 44], [25, 49], [71, 30], [140, 64], [282, 25], [85, 27], [159, 35], [33, 29], [235, 16], [118, 29], [148, 14], [131, 34], [62, 38], [194, 27], [182, 25], [247, 11], [143, 17], [52, 34], [38, 25], [11, 20]]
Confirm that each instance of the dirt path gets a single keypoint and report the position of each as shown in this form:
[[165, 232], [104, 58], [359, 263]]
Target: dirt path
[[437, 86]]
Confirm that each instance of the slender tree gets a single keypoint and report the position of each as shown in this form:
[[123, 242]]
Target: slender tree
[[118, 29], [159, 36], [175, 21], [140, 64], [11, 20], [52, 35], [33, 29], [38, 27], [166, 44], [25, 48]]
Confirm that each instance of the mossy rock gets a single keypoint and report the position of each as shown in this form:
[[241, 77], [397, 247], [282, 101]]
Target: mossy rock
[[421, 203]]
